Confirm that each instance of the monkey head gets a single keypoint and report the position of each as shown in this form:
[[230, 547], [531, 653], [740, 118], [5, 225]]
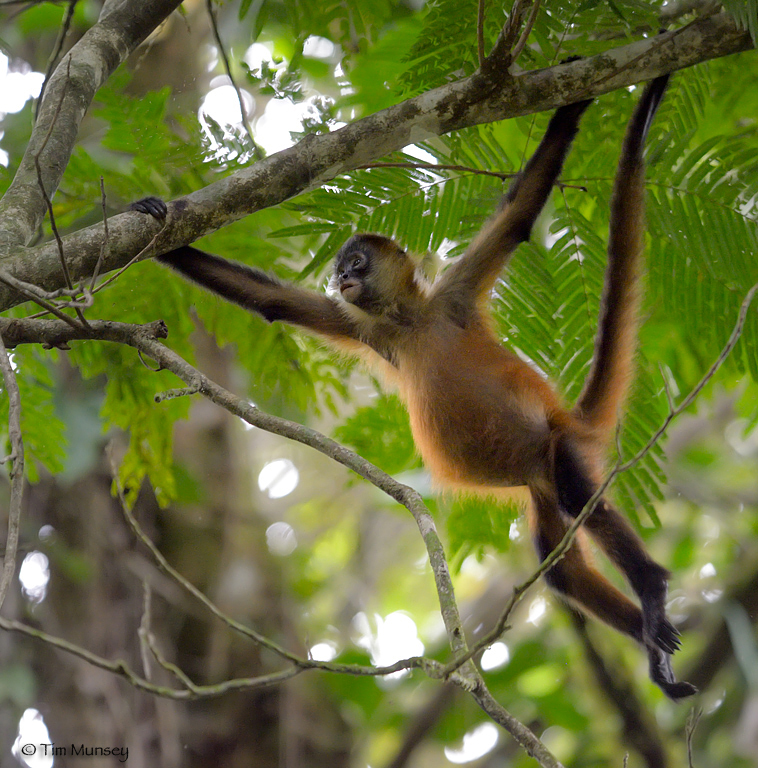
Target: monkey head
[[370, 271]]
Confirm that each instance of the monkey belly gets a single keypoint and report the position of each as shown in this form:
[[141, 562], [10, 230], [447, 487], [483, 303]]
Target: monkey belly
[[482, 435]]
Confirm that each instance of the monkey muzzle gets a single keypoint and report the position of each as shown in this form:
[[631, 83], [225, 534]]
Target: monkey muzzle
[[350, 289]]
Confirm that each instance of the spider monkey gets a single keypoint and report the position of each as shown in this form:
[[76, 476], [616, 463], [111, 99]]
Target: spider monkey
[[481, 417]]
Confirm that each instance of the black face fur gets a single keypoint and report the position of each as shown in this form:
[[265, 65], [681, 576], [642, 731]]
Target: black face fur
[[359, 269]]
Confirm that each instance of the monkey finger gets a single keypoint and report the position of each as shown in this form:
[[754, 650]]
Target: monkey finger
[[667, 637], [152, 206]]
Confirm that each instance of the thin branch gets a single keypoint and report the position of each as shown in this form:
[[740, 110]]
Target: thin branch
[[690, 728], [516, 52], [40, 297], [43, 191], [137, 257], [470, 680], [106, 238], [734, 337], [257, 152], [144, 629], [433, 167], [170, 667], [46, 197], [480, 32], [57, 48], [525, 738], [16, 472], [657, 43], [122, 669], [170, 571], [500, 56]]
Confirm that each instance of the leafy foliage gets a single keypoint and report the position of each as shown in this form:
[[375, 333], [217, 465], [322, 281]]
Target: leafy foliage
[[478, 526], [43, 431], [446, 47], [353, 552], [702, 225], [745, 13], [381, 434]]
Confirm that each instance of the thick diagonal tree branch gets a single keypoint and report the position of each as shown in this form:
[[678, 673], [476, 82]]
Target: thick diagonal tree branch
[[317, 159], [122, 26]]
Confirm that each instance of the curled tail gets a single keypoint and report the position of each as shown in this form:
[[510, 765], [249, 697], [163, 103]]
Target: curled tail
[[609, 376]]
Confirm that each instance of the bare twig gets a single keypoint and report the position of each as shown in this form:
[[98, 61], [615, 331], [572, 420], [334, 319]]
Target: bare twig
[[166, 567], [433, 167], [46, 197], [500, 55], [149, 647], [480, 32], [257, 152], [692, 722], [16, 471], [172, 394], [106, 238], [121, 668], [734, 337], [137, 257], [40, 297], [37, 165], [171, 668], [57, 48], [144, 629], [521, 42]]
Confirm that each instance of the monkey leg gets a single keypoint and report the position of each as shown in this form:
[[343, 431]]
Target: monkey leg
[[575, 578], [650, 581], [620, 541]]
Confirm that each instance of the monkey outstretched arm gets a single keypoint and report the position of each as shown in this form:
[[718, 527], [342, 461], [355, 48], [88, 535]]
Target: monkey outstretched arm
[[473, 276], [253, 289], [608, 380]]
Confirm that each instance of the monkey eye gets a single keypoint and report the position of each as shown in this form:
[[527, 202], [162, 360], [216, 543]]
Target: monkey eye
[[358, 261]]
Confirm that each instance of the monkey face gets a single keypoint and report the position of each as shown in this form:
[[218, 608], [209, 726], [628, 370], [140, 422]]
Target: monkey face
[[349, 274], [355, 270], [372, 272]]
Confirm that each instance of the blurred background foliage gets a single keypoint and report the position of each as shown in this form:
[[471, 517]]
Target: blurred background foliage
[[281, 537]]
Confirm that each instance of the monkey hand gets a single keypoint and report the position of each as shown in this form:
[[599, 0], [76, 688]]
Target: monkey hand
[[152, 206]]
